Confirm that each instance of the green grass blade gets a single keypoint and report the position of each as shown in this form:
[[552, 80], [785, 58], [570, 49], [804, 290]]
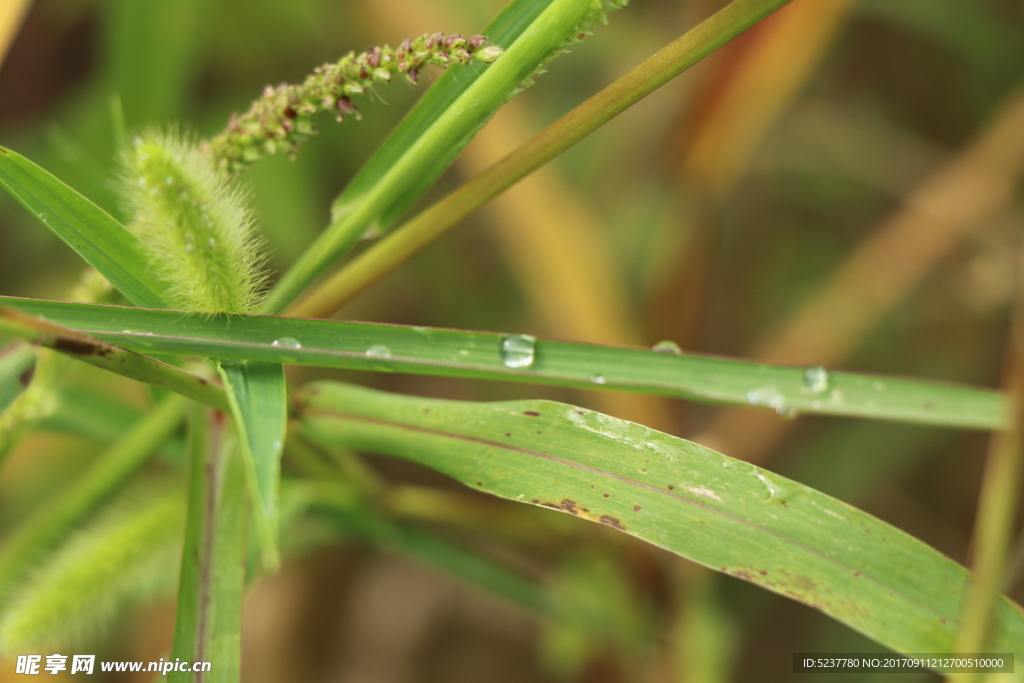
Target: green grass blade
[[113, 358], [449, 129], [515, 18], [125, 556], [478, 355], [431, 223], [258, 398], [723, 513], [99, 239], [209, 618], [56, 517]]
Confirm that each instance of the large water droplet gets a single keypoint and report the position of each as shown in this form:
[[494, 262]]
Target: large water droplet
[[598, 379], [517, 350], [287, 343], [816, 379], [667, 346], [379, 351]]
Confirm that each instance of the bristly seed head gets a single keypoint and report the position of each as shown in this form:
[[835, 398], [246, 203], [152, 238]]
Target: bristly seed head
[[195, 223], [283, 115]]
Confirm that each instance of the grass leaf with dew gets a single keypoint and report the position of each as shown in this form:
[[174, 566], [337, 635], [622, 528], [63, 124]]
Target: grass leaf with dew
[[726, 514], [788, 390]]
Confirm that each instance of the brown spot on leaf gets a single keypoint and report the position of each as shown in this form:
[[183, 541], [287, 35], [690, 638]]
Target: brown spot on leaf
[[612, 521], [25, 378], [636, 508], [531, 413], [78, 347], [607, 495]]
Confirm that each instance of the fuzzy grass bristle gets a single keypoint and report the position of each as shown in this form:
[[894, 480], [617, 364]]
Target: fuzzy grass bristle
[[195, 223]]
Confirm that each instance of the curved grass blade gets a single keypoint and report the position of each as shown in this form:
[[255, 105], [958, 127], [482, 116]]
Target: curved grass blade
[[125, 556], [258, 398], [113, 358], [723, 513], [208, 623], [486, 355], [104, 243]]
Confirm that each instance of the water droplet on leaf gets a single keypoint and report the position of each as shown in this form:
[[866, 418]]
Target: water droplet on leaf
[[667, 346], [598, 379], [378, 351], [816, 379], [517, 350], [287, 343]]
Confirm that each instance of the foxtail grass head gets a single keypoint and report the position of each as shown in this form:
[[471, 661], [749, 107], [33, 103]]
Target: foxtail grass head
[[195, 223], [283, 117]]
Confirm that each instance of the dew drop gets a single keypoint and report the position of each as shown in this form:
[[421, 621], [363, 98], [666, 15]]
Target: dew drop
[[598, 379], [378, 351], [287, 343], [517, 350], [816, 379], [667, 346]]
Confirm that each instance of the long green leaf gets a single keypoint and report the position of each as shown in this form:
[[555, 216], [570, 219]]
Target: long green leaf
[[450, 128], [488, 355], [258, 398], [99, 239], [209, 618], [723, 513], [113, 358]]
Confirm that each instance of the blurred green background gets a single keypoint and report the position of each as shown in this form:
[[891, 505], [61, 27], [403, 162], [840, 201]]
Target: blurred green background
[[838, 186]]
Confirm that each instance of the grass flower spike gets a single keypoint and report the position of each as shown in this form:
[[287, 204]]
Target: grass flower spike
[[195, 224], [283, 117]]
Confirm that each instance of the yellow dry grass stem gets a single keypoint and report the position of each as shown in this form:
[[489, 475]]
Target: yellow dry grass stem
[[786, 50], [12, 12]]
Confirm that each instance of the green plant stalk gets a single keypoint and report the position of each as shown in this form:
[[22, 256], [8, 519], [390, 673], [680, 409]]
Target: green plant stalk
[[993, 525], [208, 622], [113, 358], [471, 109], [478, 355], [52, 521], [258, 398], [426, 227], [504, 29]]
